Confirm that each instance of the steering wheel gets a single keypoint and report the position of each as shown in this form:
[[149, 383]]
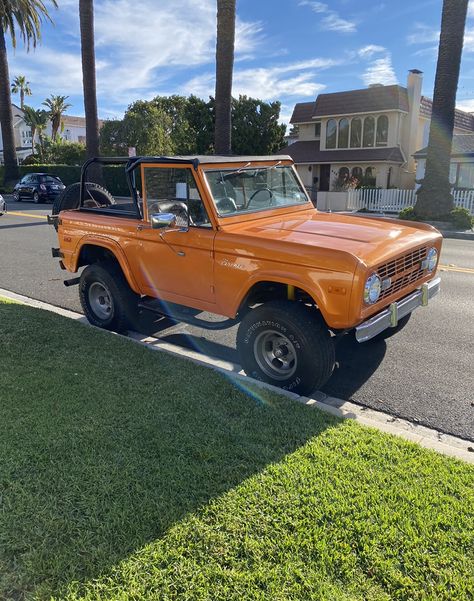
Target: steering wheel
[[257, 192], [226, 205]]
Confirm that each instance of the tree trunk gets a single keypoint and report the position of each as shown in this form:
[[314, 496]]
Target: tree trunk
[[86, 17], [6, 118], [22, 98], [33, 133], [224, 69], [434, 198]]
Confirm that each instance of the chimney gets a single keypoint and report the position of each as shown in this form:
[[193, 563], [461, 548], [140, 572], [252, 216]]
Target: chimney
[[414, 83]]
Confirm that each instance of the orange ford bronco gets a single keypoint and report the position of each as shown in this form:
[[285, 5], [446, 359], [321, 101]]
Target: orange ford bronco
[[239, 237]]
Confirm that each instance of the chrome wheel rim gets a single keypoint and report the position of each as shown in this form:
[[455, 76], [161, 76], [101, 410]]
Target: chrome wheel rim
[[275, 355], [100, 300]]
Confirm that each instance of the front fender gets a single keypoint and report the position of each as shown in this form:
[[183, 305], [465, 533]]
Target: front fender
[[113, 247]]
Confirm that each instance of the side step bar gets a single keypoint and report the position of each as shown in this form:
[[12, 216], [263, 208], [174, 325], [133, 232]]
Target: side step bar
[[179, 313]]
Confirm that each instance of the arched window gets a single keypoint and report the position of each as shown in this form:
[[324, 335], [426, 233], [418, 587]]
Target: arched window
[[369, 132], [343, 137], [356, 132], [358, 174], [382, 131], [331, 133], [369, 179]]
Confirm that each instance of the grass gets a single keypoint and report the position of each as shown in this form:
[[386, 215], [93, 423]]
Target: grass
[[127, 474]]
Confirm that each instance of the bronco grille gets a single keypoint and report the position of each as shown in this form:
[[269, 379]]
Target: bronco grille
[[402, 271]]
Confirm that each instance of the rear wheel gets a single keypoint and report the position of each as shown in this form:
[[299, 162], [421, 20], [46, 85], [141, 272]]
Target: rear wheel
[[286, 344], [106, 298], [95, 196], [36, 198]]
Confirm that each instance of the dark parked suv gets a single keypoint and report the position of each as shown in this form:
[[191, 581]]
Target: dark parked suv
[[40, 187]]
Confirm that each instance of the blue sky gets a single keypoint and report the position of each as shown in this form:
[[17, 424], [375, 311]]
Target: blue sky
[[287, 50]]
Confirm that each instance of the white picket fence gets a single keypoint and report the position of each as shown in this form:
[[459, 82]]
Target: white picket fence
[[393, 201]]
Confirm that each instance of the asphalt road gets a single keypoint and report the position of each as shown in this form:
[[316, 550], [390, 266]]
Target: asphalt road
[[425, 374]]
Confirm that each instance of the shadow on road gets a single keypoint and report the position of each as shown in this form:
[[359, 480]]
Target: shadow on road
[[14, 225], [355, 364]]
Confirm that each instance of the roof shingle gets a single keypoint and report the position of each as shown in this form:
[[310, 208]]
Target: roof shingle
[[462, 120], [380, 98], [310, 152], [463, 145]]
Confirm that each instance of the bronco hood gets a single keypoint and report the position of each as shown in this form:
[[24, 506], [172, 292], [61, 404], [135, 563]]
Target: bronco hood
[[370, 239]]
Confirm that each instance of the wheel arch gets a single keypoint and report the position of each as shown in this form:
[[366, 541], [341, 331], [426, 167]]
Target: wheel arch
[[272, 288], [96, 250]]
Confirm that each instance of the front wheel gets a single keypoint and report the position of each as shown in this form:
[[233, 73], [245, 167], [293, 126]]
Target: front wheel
[[16, 196], [106, 298], [36, 198], [286, 344]]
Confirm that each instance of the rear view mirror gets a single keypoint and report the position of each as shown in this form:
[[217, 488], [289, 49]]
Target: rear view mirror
[[161, 221]]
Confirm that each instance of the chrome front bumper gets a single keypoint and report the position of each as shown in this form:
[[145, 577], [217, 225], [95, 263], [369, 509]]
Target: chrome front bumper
[[388, 318]]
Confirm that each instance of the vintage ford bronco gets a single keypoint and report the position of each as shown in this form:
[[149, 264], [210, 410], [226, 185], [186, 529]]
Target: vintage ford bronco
[[239, 237]]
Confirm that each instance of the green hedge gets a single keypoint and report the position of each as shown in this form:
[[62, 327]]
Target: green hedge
[[114, 176]]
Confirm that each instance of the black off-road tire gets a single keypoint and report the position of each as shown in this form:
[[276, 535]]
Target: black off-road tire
[[311, 343], [389, 332], [70, 197], [123, 301]]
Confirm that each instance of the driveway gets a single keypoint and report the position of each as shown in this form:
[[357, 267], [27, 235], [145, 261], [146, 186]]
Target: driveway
[[425, 374]]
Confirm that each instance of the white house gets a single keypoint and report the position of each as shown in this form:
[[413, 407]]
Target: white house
[[367, 136], [461, 173], [74, 130]]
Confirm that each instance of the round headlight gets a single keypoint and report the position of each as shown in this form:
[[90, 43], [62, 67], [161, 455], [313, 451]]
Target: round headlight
[[431, 259], [372, 289]]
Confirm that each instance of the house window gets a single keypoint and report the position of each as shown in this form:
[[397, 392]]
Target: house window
[[369, 131], [382, 130], [356, 132], [466, 175], [357, 174], [331, 133], [343, 138], [317, 129], [369, 179]]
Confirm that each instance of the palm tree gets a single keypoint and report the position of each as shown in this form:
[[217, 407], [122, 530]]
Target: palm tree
[[37, 120], [224, 68], [24, 16], [86, 18], [21, 86], [57, 106], [434, 198]]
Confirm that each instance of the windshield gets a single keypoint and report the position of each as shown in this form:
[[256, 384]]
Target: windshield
[[249, 190], [49, 179]]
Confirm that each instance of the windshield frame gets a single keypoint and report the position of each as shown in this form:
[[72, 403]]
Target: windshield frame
[[243, 214]]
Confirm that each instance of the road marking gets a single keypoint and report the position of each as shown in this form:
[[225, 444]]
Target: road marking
[[21, 214], [455, 268]]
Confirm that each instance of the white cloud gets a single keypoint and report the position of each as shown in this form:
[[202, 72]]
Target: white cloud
[[423, 34], [268, 83], [331, 21], [380, 71], [466, 105], [369, 50]]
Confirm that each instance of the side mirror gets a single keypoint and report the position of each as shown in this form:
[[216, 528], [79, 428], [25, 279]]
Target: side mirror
[[161, 221]]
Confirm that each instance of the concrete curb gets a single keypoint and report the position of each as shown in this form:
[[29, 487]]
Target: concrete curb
[[422, 435]]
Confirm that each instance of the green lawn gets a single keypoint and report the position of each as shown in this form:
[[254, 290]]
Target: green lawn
[[127, 474]]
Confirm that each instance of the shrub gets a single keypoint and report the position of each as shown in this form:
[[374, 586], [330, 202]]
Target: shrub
[[461, 218], [408, 214]]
